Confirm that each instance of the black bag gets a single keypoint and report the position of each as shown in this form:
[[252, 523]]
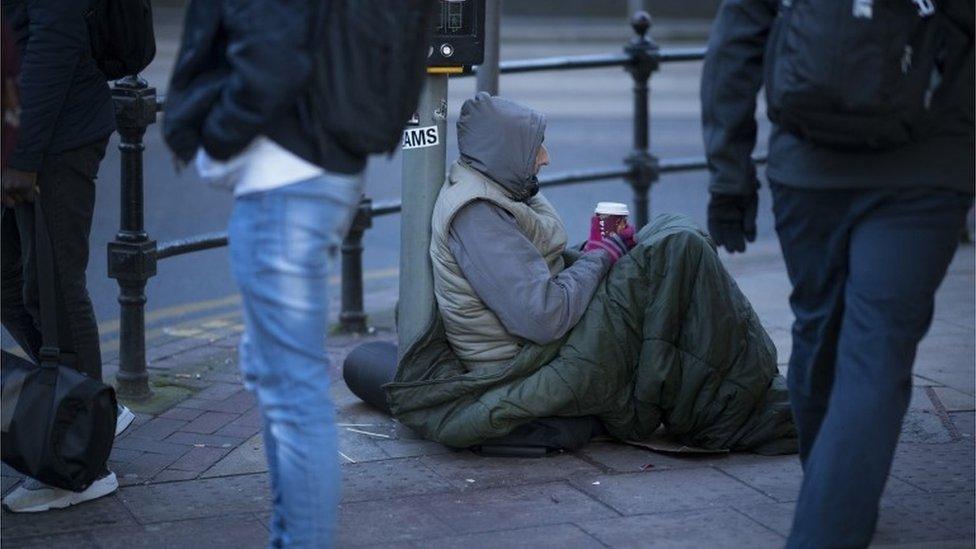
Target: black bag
[[58, 425], [367, 72], [121, 36], [854, 75]]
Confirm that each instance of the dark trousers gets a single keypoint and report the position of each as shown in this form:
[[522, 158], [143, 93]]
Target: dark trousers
[[67, 183], [865, 265]]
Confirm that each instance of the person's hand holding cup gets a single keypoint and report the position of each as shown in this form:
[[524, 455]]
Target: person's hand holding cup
[[610, 230]]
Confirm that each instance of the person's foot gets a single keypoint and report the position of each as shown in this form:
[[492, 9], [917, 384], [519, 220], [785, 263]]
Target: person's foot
[[125, 417], [33, 496]]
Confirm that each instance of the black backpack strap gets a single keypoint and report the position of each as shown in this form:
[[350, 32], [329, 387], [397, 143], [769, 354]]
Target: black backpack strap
[[46, 282]]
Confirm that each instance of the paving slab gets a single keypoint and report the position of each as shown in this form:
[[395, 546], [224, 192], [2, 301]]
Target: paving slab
[[946, 356], [964, 422], [236, 532], [102, 513], [514, 507], [358, 447], [209, 422], [73, 540], [713, 528], [560, 535], [393, 521], [378, 480], [674, 490], [624, 458], [780, 477], [894, 523], [952, 511], [245, 459], [954, 400], [198, 460], [461, 468], [936, 467], [195, 499]]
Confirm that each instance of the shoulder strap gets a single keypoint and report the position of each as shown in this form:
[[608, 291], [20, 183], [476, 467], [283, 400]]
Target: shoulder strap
[[46, 282]]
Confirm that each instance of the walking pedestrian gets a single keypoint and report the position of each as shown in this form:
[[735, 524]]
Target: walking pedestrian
[[868, 212], [235, 109], [65, 119]]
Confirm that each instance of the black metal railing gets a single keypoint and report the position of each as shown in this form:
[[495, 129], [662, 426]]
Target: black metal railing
[[132, 256]]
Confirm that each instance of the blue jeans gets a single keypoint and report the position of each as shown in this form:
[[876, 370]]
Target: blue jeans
[[282, 242], [865, 265]]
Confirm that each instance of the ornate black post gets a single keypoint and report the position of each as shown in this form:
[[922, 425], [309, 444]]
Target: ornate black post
[[643, 165], [352, 318], [132, 255]]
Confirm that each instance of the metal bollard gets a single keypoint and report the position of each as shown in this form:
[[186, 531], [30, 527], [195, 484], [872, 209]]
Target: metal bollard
[[352, 318], [643, 165], [132, 255]]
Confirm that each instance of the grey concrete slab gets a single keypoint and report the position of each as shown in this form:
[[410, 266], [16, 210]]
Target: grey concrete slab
[[198, 460], [561, 535], [946, 356], [936, 467], [514, 507], [955, 401], [462, 468], [712, 528], [357, 447], [388, 521], [623, 458], [391, 478], [195, 499], [674, 490], [953, 511], [780, 477], [245, 459], [894, 523], [964, 422], [226, 532], [397, 448], [99, 514], [74, 540], [925, 427]]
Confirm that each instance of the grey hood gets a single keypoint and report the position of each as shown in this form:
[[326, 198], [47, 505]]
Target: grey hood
[[500, 139]]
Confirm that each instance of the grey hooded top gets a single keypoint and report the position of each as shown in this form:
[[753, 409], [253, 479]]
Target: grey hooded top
[[500, 139]]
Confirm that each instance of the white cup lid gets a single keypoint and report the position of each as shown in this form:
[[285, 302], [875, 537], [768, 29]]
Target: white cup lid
[[611, 208]]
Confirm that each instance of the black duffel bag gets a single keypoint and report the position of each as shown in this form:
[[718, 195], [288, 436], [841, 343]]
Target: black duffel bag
[[58, 425]]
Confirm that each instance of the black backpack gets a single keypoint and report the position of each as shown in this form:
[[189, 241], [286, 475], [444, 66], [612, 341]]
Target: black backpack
[[855, 74], [369, 64], [121, 36], [58, 425]]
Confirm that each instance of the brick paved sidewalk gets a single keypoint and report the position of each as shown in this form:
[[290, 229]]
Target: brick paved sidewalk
[[192, 472]]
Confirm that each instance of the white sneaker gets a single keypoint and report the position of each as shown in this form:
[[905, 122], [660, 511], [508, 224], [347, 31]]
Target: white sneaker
[[123, 420], [33, 496]]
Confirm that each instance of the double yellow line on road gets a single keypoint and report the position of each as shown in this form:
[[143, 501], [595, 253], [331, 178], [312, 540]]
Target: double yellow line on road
[[109, 329]]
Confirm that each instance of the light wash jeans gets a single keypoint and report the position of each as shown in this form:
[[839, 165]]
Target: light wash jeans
[[282, 243]]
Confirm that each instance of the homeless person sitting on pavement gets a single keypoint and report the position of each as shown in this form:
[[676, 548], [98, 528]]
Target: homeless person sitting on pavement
[[640, 331]]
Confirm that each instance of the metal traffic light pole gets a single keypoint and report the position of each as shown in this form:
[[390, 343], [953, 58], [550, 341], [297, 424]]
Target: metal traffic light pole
[[423, 175]]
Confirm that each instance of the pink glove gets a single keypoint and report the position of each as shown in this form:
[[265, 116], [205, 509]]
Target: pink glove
[[616, 245]]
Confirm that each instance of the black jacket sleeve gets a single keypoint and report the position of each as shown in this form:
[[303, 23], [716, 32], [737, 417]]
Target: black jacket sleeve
[[270, 64], [731, 78], [57, 39]]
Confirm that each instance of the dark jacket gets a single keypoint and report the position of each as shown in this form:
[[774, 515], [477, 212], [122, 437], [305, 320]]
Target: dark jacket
[[732, 76], [241, 71], [64, 99]]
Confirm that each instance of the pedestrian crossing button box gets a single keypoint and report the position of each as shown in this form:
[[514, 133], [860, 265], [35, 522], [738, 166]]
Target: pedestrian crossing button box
[[459, 35]]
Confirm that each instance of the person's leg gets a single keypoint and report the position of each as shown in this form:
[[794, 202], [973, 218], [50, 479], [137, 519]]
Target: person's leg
[[67, 183], [813, 233], [16, 319], [281, 244], [898, 256]]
